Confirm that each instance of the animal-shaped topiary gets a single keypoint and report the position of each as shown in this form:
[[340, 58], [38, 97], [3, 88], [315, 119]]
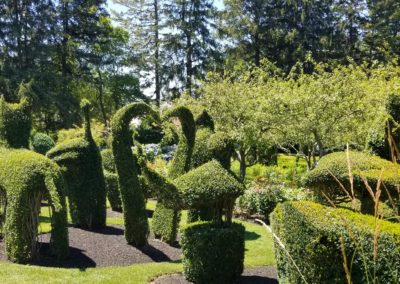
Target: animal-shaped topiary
[[131, 189], [26, 178], [209, 144], [173, 195], [81, 163], [16, 120]]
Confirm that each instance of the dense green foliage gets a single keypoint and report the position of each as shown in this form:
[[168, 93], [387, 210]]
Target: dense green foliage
[[81, 162], [27, 178], [165, 222], [111, 179], [335, 167], [319, 238], [15, 122], [132, 194], [41, 143], [208, 184], [212, 254]]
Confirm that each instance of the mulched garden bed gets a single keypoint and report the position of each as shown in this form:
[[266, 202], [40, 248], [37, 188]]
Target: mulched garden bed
[[258, 275], [101, 248]]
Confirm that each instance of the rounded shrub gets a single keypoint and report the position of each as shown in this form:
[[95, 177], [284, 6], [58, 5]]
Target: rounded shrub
[[15, 122], [334, 168], [27, 178], [81, 162], [41, 143], [213, 253], [132, 193]]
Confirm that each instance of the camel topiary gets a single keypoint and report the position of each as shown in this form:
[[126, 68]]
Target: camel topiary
[[81, 162], [132, 191]]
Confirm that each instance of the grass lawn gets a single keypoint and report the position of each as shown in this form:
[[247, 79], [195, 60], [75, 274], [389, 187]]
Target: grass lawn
[[258, 253]]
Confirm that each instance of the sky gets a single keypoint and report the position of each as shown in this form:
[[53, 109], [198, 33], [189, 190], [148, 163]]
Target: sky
[[112, 6]]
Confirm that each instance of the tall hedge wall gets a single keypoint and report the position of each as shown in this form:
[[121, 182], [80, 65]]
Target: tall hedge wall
[[132, 193], [316, 236], [81, 162], [15, 123], [363, 165], [27, 178]]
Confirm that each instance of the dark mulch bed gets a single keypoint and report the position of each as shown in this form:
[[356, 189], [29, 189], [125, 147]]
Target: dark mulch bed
[[259, 275], [100, 248]]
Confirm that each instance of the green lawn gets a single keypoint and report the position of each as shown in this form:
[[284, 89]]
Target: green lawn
[[258, 253]]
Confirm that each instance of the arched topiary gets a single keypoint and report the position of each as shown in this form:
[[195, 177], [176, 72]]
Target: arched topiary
[[26, 178], [132, 193], [16, 121], [111, 178], [166, 219], [41, 143], [80, 160]]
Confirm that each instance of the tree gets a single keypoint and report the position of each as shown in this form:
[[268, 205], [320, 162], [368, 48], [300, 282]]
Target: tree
[[144, 20], [190, 42]]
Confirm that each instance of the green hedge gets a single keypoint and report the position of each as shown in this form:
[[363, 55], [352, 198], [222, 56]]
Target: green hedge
[[111, 178], [165, 223], [213, 253], [363, 165], [312, 233], [208, 184], [132, 193], [27, 178], [15, 122], [41, 143], [81, 162]]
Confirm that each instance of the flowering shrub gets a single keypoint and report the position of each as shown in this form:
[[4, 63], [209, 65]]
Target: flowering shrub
[[264, 194]]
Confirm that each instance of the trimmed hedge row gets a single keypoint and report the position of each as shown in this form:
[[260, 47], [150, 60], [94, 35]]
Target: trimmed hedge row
[[213, 253], [363, 165], [132, 193], [315, 236], [27, 178], [81, 163]]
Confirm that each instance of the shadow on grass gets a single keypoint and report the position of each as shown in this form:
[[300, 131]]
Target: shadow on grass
[[251, 236]]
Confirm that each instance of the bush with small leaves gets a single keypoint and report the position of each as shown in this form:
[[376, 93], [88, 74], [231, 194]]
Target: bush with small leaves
[[132, 191], [111, 178], [41, 143], [27, 178], [81, 162]]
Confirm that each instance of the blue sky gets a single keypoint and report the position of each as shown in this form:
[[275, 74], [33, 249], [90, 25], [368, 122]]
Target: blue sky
[[112, 6]]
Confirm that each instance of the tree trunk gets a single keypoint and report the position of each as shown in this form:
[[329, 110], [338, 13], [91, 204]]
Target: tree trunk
[[101, 98], [242, 161], [157, 54]]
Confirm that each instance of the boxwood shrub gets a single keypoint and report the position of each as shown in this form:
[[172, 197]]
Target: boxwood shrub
[[213, 253], [27, 178], [41, 143], [315, 236], [363, 165], [111, 179], [81, 162], [165, 223], [132, 193], [15, 122]]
